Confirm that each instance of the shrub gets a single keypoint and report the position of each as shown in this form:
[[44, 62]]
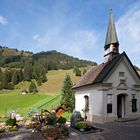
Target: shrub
[[51, 119], [10, 122], [81, 125], [32, 87], [14, 128], [61, 120]]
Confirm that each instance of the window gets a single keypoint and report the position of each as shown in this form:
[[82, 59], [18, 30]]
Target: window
[[134, 103], [86, 103], [121, 74], [109, 103]]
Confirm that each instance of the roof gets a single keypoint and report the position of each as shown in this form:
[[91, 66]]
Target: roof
[[98, 73], [111, 36]]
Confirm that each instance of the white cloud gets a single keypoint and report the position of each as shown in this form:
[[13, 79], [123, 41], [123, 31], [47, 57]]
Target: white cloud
[[3, 20], [37, 38], [128, 27], [81, 43]]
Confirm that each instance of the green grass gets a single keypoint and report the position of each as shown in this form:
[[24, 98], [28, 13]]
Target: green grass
[[55, 81], [14, 100], [67, 115]]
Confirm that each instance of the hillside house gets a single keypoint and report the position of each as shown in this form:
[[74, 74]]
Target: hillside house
[[110, 90]]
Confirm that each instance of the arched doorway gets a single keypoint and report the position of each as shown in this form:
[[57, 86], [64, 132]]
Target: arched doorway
[[121, 105]]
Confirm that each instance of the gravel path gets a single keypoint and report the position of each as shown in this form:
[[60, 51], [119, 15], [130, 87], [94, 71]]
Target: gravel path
[[121, 130]]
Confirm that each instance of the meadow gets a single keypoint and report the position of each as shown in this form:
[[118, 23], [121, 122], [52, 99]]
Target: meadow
[[13, 100]]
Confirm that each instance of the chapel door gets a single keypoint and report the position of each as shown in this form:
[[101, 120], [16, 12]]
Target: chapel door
[[121, 106]]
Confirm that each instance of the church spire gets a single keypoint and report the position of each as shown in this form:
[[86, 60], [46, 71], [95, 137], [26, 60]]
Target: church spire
[[111, 43], [111, 36]]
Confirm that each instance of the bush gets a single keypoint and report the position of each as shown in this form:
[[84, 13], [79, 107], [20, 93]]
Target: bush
[[10, 122], [33, 88], [61, 120], [51, 119], [14, 128], [81, 125]]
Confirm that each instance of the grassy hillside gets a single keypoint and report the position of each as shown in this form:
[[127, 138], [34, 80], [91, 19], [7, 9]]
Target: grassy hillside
[[55, 81], [11, 100], [5, 51]]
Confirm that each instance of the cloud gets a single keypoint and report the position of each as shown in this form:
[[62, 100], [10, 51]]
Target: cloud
[[3, 20], [78, 43], [128, 27], [37, 38], [82, 42]]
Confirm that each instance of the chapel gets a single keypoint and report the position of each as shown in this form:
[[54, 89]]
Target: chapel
[[109, 91]]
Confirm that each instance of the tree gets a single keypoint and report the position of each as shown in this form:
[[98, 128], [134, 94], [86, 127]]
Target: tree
[[42, 76], [15, 78], [32, 87], [27, 74], [68, 97], [84, 71], [1, 73], [77, 71], [5, 80], [39, 73], [20, 75]]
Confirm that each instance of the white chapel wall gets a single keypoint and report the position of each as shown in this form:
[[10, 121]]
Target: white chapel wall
[[95, 101]]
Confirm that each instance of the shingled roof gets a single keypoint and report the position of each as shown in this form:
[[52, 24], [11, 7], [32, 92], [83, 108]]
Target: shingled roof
[[98, 73]]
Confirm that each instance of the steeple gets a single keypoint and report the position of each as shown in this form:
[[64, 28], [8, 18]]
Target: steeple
[[111, 43]]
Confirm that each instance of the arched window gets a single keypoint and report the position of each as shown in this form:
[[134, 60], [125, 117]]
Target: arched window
[[86, 103], [109, 103]]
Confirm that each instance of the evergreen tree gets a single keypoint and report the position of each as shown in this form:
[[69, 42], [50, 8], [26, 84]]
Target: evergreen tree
[[8, 73], [20, 75], [68, 97], [39, 73], [36, 71], [1, 74], [27, 74], [77, 71], [15, 77], [1, 85], [32, 87], [5, 80], [42, 76]]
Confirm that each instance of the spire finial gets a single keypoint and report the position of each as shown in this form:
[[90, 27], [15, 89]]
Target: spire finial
[[111, 10]]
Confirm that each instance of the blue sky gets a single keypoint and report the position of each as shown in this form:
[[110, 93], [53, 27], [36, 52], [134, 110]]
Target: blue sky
[[74, 27]]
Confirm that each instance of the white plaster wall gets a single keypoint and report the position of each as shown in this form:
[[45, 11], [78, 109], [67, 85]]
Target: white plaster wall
[[115, 79], [130, 81], [95, 100]]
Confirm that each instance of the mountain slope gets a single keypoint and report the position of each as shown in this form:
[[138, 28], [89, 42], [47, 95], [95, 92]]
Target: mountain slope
[[52, 60]]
